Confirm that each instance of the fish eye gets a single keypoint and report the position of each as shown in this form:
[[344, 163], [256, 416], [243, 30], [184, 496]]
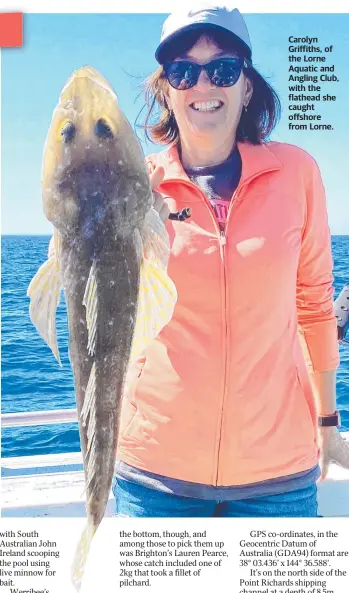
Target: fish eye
[[103, 130], [68, 132]]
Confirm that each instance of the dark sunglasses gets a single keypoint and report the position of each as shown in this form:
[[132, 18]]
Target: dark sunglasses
[[183, 75]]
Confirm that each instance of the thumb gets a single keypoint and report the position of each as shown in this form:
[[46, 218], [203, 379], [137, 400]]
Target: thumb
[[156, 177], [324, 467]]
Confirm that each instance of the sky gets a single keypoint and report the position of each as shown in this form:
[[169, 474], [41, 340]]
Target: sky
[[122, 47]]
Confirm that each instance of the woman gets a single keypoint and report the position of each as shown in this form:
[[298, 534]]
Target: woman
[[219, 417]]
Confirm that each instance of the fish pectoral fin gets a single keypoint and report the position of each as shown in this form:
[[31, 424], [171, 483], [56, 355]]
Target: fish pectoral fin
[[44, 294], [156, 302], [88, 418], [156, 242], [90, 302], [157, 293]]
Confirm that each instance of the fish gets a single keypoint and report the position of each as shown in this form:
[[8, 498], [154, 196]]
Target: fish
[[110, 258]]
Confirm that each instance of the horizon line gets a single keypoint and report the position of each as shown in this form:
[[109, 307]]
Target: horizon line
[[50, 234]]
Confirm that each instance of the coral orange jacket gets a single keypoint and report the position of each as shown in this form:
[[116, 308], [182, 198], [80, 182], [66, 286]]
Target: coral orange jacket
[[222, 396]]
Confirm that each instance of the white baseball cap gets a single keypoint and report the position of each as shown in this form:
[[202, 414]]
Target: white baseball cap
[[218, 18]]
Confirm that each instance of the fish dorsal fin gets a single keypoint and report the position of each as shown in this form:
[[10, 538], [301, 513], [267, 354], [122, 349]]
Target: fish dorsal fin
[[157, 292], [44, 293], [90, 302]]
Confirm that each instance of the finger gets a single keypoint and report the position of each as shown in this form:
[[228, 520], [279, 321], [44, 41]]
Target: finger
[[156, 177], [164, 212], [160, 206], [324, 466], [325, 456], [158, 200], [325, 461]]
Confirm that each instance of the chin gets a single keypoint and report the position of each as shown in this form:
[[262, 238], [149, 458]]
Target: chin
[[209, 129]]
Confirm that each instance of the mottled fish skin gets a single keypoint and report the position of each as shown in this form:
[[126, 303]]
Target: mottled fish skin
[[117, 278], [96, 192]]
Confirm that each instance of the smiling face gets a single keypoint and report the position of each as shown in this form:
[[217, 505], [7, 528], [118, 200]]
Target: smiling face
[[206, 112]]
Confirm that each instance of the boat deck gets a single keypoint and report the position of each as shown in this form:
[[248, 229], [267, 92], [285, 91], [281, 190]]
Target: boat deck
[[44, 486]]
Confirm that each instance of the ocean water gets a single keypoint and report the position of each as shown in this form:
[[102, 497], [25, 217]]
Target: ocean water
[[31, 378]]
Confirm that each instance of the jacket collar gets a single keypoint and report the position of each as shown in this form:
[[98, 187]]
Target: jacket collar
[[256, 159]]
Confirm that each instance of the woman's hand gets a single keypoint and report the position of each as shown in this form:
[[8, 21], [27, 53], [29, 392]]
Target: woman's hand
[[159, 204], [333, 448]]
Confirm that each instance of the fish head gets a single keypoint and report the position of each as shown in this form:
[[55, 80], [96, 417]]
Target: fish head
[[94, 177]]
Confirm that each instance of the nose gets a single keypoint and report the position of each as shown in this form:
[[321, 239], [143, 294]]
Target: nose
[[203, 81]]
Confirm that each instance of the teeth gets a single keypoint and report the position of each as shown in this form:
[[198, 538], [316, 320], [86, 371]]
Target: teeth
[[206, 105]]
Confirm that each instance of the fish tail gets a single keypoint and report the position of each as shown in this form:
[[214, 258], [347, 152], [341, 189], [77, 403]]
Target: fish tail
[[82, 550]]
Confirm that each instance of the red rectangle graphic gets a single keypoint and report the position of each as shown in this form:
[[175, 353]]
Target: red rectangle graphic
[[11, 29]]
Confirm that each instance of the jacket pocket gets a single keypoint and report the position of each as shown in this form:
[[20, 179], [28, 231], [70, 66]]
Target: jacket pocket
[[304, 385], [133, 375], [129, 410]]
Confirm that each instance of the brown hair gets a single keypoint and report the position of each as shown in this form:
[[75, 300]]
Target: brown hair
[[255, 125]]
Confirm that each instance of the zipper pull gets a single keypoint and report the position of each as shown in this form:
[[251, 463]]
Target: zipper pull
[[223, 238]]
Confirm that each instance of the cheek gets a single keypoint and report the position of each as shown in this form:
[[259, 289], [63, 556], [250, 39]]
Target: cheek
[[235, 96], [172, 95], [178, 105]]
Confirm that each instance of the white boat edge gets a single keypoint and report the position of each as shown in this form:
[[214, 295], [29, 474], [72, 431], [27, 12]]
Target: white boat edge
[[52, 485]]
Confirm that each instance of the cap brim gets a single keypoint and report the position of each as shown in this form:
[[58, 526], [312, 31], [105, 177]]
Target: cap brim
[[160, 54]]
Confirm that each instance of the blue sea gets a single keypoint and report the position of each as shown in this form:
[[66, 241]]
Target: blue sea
[[32, 379]]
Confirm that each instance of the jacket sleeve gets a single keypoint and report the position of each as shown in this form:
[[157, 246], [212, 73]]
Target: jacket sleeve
[[316, 318]]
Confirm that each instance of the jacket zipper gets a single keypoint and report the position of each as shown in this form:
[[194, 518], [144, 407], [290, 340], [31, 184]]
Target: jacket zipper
[[222, 242]]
